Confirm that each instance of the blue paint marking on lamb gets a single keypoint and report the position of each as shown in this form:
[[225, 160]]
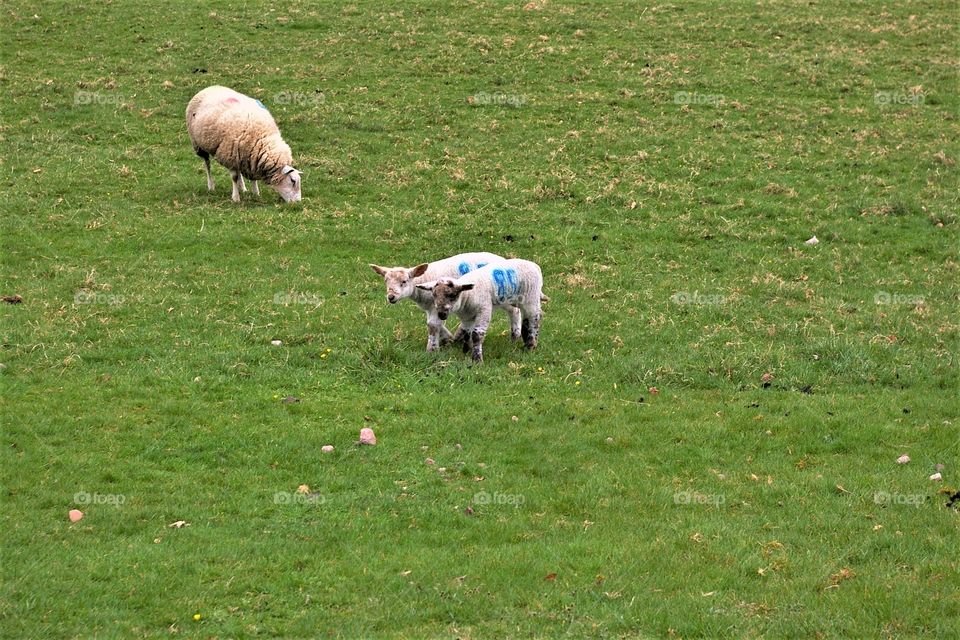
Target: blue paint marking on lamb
[[262, 106], [463, 268], [481, 265], [506, 283]]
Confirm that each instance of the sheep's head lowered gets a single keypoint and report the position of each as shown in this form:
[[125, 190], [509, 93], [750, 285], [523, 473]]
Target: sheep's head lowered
[[446, 295], [286, 182], [399, 280]]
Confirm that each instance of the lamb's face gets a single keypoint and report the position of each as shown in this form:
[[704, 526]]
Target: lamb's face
[[399, 280], [446, 296], [288, 184]]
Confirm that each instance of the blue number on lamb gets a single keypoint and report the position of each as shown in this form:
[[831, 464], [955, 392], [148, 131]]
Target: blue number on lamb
[[506, 282]]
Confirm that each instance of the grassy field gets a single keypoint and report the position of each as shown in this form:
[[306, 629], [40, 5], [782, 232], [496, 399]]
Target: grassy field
[[703, 446]]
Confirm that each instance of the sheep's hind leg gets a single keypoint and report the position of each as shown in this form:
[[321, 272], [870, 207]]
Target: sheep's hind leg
[[237, 181], [255, 188], [243, 185]]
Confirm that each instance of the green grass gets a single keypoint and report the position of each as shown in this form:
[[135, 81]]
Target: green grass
[[737, 499]]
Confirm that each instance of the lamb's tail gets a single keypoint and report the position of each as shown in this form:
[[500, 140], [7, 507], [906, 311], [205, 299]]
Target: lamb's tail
[[544, 298]]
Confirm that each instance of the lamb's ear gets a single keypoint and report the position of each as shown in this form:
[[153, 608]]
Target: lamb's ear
[[379, 270], [466, 287], [427, 286], [419, 270], [288, 169]]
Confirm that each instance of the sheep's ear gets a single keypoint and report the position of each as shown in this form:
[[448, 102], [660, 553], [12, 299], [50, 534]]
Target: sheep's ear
[[466, 287], [427, 286], [419, 270], [379, 270]]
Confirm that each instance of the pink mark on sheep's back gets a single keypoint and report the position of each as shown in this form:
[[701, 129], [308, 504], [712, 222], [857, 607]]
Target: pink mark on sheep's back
[[230, 100]]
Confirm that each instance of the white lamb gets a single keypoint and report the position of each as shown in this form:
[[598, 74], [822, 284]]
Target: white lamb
[[241, 134], [402, 283], [474, 296]]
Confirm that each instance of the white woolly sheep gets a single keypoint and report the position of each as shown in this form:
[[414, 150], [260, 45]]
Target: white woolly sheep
[[240, 134], [401, 283], [474, 296]]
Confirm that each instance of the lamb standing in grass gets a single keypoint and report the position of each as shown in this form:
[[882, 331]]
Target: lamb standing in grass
[[241, 134], [473, 297], [402, 283]]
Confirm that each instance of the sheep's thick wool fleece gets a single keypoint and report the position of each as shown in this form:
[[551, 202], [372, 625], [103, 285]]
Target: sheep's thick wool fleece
[[238, 132]]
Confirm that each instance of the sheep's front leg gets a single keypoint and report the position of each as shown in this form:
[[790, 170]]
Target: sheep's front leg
[[206, 162], [477, 332], [515, 331], [237, 180], [531, 327], [445, 336], [465, 335], [255, 188], [243, 185], [434, 327], [459, 335]]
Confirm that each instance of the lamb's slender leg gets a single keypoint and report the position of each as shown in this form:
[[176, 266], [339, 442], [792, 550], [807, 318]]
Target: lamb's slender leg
[[433, 333], [514, 313], [465, 330], [459, 335], [237, 181], [445, 336], [243, 185], [531, 327], [477, 333], [255, 188], [206, 162]]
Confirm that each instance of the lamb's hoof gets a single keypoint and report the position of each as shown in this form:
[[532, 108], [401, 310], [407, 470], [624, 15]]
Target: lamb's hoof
[[515, 336]]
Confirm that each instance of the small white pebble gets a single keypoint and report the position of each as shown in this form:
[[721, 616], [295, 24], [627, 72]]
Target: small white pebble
[[429, 461], [458, 446], [424, 448], [276, 343], [904, 459], [327, 448], [442, 469], [936, 476], [812, 241], [514, 418], [609, 440]]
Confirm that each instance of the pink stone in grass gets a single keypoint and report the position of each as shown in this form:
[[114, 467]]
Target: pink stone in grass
[[75, 515], [904, 459], [367, 436], [327, 448]]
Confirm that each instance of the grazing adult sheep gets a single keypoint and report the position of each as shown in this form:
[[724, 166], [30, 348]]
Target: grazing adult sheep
[[240, 134], [474, 296], [402, 283]]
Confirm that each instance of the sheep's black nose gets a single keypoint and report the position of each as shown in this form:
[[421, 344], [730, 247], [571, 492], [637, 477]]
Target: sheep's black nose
[[392, 299], [443, 316]]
